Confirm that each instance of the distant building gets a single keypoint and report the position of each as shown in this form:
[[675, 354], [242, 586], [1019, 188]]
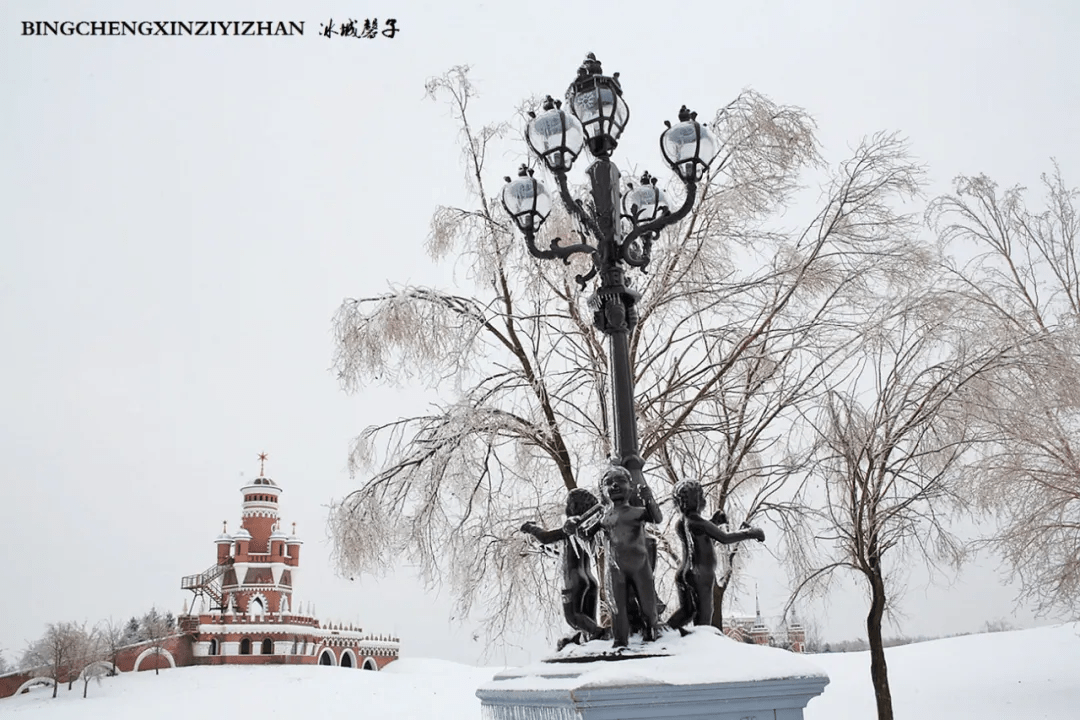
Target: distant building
[[244, 611], [753, 629]]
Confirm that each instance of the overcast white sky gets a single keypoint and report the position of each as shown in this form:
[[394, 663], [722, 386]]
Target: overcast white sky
[[180, 218]]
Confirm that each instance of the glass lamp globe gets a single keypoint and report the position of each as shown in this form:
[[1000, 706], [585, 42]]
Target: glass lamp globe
[[526, 200], [646, 202], [556, 136], [596, 100], [688, 147]]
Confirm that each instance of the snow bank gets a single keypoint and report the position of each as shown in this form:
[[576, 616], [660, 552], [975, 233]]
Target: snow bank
[[405, 690], [1024, 674]]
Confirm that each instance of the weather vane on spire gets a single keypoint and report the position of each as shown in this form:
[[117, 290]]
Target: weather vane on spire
[[262, 464]]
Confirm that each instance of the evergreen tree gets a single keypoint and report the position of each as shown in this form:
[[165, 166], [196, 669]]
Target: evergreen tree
[[132, 632]]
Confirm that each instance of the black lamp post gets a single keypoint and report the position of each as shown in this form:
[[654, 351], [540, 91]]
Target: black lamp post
[[622, 228]]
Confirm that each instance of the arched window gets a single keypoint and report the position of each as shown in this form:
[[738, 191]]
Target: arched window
[[268, 647], [213, 646], [346, 659], [245, 646], [256, 607], [327, 658]]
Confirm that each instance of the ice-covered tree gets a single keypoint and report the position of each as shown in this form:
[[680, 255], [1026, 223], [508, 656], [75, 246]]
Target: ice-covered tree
[[1026, 273], [156, 629], [89, 657], [54, 654], [112, 636], [894, 444]]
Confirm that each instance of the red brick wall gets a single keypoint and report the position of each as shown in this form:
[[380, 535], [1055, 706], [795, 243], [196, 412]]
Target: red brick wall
[[182, 649], [154, 662], [10, 683], [179, 646], [260, 529], [381, 661]]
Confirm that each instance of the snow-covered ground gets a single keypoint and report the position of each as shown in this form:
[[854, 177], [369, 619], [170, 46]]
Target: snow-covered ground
[[1025, 675]]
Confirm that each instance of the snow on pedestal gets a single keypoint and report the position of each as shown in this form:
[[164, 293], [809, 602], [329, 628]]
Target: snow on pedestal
[[702, 675]]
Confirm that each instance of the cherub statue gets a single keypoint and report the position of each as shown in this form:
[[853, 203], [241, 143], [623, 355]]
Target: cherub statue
[[697, 574], [629, 568], [580, 589]]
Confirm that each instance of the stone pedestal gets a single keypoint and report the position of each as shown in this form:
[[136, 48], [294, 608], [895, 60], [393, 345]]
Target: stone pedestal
[[704, 677]]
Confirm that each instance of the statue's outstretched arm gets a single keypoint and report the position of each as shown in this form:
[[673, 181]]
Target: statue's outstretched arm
[[586, 525], [546, 537], [726, 538]]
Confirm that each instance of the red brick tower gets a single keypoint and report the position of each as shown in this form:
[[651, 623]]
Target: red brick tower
[[261, 579], [759, 632], [252, 618], [796, 634]]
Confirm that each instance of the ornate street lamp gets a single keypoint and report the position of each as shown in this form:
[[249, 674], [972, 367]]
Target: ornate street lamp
[[598, 115]]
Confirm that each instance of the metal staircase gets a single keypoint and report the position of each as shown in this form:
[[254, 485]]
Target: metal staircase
[[208, 583]]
